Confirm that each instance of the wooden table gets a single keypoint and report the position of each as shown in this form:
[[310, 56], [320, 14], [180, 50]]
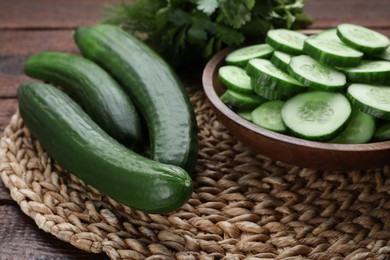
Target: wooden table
[[27, 27]]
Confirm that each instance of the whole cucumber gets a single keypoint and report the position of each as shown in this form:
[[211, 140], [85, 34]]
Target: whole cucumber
[[93, 88], [153, 86], [79, 145]]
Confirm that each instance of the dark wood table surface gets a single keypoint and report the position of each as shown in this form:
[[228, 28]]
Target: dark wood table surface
[[30, 26]]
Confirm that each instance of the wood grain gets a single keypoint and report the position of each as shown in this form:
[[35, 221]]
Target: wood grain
[[27, 42], [5, 197], [44, 14], [21, 239], [330, 13]]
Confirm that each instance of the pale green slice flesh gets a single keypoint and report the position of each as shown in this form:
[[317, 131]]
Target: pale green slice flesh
[[235, 78], [316, 115], [268, 116], [314, 74], [360, 129], [241, 56], [371, 99]]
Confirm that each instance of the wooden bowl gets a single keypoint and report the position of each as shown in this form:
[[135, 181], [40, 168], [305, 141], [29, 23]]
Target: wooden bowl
[[290, 150]]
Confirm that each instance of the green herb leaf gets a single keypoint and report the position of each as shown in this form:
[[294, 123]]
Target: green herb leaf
[[207, 6], [185, 30]]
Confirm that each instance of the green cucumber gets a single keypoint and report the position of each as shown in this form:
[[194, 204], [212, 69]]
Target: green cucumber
[[153, 86], [285, 40], [316, 75], [385, 55], [371, 99], [317, 115], [370, 72], [236, 100], [363, 39], [246, 114], [281, 60], [241, 56], [79, 145], [235, 78], [332, 53], [268, 116], [360, 129], [93, 88], [382, 133], [268, 93], [327, 35], [264, 74]]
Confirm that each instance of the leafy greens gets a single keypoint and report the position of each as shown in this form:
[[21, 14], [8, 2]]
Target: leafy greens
[[193, 30]]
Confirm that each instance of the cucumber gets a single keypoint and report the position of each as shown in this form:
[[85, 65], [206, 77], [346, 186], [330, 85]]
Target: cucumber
[[236, 100], [370, 72], [235, 78], [363, 39], [241, 56], [246, 114], [317, 115], [79, 145], [382, 133], [385, 55], [153, 86], [371, 99], [332, 53], [264, 74], [281, 60], [360, 129], [316, 75], [285, 40], [268, 93], [327, 35], [268, 116], [93, 88]]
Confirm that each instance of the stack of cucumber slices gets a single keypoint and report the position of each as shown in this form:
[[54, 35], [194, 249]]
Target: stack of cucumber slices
[[333, 86]]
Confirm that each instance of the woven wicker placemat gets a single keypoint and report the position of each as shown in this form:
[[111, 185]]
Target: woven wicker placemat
[[244, 206]]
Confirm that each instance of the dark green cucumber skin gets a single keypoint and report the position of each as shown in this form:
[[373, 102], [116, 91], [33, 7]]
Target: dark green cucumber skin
[[79, 145], [329, 58], [94, 89], [153, 86], [373, 111]]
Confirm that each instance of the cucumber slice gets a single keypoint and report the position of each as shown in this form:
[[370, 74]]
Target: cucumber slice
[[235, 78], [371, 99], [246, 114], [268, 116], [316, 75], [281, 60], [237, 100], [327, 35], [240, 57], [382, 133], [268, 93], [264, 74], [363, 39], [385, 55], [316, 115], [332, 53], [370, 72], [287, 41], [360, 129]]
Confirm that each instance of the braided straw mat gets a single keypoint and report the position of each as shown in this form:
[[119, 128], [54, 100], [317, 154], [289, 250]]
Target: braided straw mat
[[244, 205]]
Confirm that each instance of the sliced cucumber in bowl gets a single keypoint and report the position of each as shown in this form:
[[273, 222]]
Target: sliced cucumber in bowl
[[316, 115], [371, 99]]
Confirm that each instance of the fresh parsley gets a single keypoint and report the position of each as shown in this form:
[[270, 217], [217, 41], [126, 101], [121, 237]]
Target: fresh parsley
[[190, 31]]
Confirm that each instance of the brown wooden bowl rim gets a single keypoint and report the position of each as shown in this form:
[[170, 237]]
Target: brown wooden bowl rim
[[207, 79]]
